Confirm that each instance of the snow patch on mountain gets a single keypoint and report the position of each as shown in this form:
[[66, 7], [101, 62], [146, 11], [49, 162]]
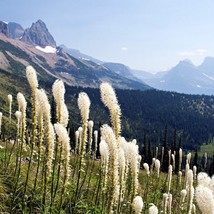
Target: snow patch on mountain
[[209, 77], [47, 49]]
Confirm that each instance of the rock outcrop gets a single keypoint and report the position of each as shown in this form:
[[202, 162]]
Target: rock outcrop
[[15, 30], [38, 34], [4, 28]]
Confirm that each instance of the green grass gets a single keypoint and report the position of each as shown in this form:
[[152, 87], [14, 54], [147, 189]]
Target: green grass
[[208, 148]]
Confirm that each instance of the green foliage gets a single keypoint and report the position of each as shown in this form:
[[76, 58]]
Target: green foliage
[[208, 148]]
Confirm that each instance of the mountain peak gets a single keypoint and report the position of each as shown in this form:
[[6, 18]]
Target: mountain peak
[[4, 28], [208, 60], [186, 62], [15, 30], [38, 34]]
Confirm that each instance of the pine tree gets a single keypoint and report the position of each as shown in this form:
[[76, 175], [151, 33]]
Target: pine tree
[[166, 148]]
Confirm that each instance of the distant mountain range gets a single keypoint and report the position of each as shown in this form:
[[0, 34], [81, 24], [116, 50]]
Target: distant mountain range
[[36, 46], [184, 78], [77, 68]]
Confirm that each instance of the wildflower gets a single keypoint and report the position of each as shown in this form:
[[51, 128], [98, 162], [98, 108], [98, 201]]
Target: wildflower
[[21, 102], [50, 146], [193, 209], [18, 115], [203, 179], [84, 105], [90, 126], [109, 99], [190, 189], [188, 158], [173, 161], [153, 209], [186, 171], [180, 158], [190, 177], [76, 141], [122, 172], [133, 161], [137, 204], [58, 90], [64, 115], [169, 177], [95, 141], [10, 99], [146, 167], [182, 198], [165, 202], [157, 167], [104, 152], [204, 199], [22, 107], [156, 152], [183, 195], [108, 136], [32, 77], [170, 203], [65, 140], [121, 159], [80, 130], [195, 172]]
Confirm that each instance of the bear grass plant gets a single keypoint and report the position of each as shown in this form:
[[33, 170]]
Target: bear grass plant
[[40, 173]]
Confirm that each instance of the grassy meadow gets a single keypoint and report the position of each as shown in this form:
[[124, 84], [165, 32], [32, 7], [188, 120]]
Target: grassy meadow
[[102, 173]]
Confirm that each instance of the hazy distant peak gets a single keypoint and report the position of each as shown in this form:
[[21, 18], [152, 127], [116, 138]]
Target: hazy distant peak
[[186, 62], [208, 60]]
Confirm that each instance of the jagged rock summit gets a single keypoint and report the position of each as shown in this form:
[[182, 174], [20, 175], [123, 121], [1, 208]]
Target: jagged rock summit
[[38, 34], [4, 29]]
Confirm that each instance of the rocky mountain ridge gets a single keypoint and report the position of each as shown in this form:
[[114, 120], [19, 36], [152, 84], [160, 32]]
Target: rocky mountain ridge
[[185, 77], [17, 53], [38, 34]]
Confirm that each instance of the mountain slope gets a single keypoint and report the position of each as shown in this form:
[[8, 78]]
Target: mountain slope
[[121, 69], [61, 65], [77, 54]]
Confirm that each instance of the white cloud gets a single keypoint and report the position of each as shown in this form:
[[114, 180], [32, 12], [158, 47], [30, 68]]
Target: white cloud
[[201, 51], [186, 53], [198, 52], [124, 49]]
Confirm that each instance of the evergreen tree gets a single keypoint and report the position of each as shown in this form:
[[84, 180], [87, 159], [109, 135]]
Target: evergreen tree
[[211, 169], [165, 155], [195, 160]]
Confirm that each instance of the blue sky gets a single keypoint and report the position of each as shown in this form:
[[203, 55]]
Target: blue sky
[[151, 35]]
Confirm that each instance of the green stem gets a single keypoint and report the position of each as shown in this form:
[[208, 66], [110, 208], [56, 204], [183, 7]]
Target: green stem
[[27, 176], [53, 176], [58, 174]]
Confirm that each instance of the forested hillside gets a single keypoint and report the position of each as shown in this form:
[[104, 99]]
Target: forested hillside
[[150, 112]]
